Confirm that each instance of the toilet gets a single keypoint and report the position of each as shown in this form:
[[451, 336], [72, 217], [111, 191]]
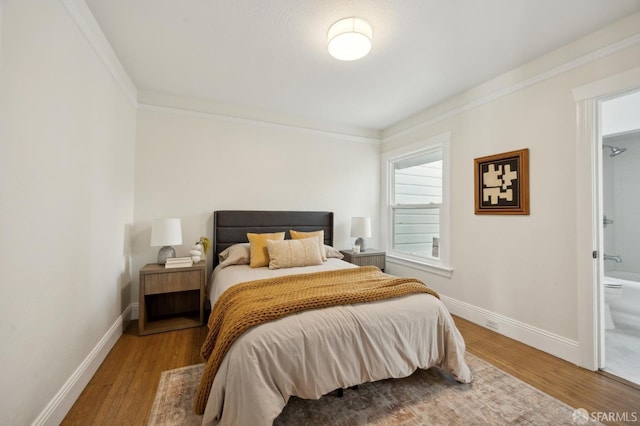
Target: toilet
[[612, 292]]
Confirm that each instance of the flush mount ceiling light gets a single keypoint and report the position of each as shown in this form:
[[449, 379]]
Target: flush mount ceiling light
[[349, 39]]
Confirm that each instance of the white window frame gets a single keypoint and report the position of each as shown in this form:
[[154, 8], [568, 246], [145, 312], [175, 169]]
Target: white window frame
[[442, 265]]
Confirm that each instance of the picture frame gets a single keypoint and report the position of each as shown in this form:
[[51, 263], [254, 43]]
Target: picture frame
[[502, 183]]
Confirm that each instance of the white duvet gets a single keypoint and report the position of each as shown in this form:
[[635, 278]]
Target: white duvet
[[315, 352]]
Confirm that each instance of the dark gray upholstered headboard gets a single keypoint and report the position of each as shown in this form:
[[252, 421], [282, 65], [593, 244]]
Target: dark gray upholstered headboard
[[231, 226]]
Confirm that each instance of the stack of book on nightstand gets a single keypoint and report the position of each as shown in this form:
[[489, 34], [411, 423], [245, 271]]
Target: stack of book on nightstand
[[179, 262]]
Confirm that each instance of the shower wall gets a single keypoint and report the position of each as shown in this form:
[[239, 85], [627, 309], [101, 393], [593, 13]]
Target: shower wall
[[621, 202]]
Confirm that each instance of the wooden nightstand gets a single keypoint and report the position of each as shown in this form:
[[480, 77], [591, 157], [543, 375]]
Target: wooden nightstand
[[171, 299], [373, 257]]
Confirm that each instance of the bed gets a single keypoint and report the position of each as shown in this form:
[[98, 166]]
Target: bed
[[310, 353]]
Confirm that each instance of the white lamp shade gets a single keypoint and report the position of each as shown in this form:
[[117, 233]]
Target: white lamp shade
[[166, 232], [349, 39], [361, 227]]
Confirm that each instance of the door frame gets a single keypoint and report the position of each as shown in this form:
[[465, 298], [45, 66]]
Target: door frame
[[588, 99]]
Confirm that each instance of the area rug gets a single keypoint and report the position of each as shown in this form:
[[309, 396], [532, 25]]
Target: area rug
[[428, 397]]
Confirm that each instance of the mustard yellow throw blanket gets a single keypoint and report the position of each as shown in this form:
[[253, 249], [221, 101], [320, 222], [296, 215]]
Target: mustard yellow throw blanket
[[255, 302]]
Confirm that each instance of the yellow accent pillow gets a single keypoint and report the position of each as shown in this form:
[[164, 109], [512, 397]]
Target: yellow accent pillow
[[258, 247], [319, 235], [291, 253]]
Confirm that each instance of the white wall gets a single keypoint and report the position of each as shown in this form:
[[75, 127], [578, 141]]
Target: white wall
[[67, 199], [621, 114], [67, 134], [520, 270], [190, 164]]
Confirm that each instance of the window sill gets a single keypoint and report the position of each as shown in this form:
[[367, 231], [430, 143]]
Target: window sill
[[443, 271]]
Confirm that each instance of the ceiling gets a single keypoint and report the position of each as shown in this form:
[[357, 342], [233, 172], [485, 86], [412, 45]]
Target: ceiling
[[272, 55]]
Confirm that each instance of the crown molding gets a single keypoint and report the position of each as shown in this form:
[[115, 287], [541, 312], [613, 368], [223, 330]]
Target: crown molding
[[542, 76], [88, 26], [86, 23], [199, 113]]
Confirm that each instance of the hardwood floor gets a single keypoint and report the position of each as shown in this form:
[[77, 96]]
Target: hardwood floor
[[567, 382], [123, 388]]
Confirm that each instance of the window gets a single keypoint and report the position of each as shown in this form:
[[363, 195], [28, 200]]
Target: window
[[417, 203]]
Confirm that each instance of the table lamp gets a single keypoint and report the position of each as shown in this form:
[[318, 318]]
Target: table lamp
[[360, 229], [165, 233]]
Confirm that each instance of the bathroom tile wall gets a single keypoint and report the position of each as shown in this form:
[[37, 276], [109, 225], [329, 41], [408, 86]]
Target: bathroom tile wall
[[621, 185]]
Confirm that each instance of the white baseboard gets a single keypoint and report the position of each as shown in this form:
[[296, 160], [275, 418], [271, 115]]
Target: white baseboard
[[59, 406], [553, 344]]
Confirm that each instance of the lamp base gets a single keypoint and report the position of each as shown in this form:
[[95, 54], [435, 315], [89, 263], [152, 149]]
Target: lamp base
[[165, 253], [360, 242]]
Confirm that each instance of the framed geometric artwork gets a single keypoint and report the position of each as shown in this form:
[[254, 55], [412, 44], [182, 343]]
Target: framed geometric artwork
[[502, 183]]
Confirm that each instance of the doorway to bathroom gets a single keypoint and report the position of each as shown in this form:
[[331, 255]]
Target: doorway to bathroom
[[619, 212]]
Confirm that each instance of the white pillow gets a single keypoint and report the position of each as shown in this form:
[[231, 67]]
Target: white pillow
[[237, 254], [333, 252], [291, 253], [318, 235]]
